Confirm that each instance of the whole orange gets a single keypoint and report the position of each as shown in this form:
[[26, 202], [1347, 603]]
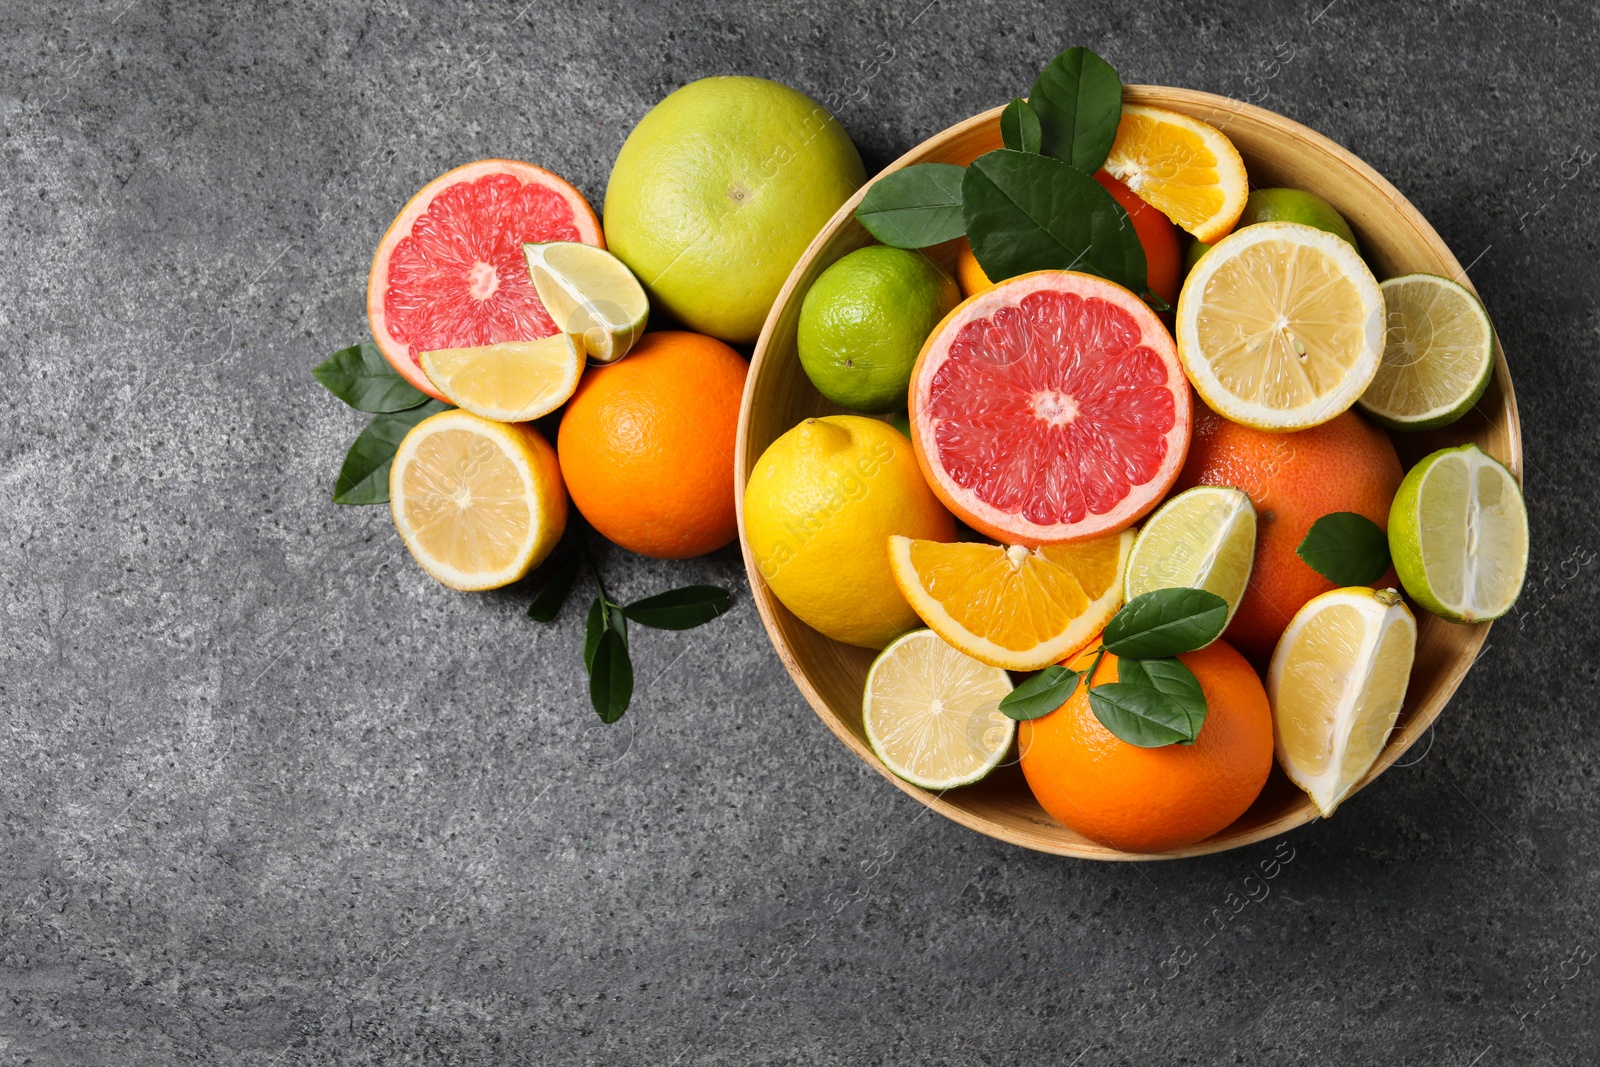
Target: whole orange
[[1152, 799], [1293, 479], [646, 445]]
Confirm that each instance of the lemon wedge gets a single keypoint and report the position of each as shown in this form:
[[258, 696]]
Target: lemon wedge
[[590, 293], [513, 381]]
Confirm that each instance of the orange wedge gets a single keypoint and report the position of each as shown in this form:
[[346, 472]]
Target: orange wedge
[[1013, 607], [1184, 168]]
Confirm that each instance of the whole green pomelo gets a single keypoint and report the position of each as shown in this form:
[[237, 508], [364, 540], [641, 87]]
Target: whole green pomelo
[[718, 191]]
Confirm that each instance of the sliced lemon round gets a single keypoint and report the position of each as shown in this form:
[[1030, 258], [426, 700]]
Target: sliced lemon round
[[1458, 534], [1438, 354], [1182, 167], [932, 714], [1280, 326], [1203, 538], [513, 381], [591, 293], [1337, 680], [478, 503], [1013, 607]]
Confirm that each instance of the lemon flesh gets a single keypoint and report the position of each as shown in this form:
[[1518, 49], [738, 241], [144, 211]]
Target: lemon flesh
[[591, 294], [1204, 538], [513, 381], [1438, 354], [932, 714], [1336, 684]]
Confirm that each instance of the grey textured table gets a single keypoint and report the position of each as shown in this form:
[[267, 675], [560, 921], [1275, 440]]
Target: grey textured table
[[271, 796]]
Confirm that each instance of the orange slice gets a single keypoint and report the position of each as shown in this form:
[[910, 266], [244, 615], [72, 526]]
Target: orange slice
[[1181, 166], [1013, 607]]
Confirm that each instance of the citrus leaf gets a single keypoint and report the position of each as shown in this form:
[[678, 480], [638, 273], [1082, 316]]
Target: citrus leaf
[[916, 206], [364, 477], [1142, 714], [679, 609], [560, 575], [1346, 549], [610, 676], [1172, 679], [1041, 694], [594, 627], [1165, 622], [1026, 212], [1078, 98], [363, 378], [1019, 126]]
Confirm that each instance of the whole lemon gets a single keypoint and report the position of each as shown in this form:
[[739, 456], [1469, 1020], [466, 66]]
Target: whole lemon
[[819, 509], [716, 194]]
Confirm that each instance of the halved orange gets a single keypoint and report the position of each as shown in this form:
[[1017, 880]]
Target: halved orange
[[1181, 166], [1013, 607]]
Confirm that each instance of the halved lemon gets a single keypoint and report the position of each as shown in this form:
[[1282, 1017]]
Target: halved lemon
[[591, 293], [1182, 167], [513, 381], [1013, 607], [1280, 326], [1438, 354], [932, 714], [478, 503], [1337, 680], [1203, 538]]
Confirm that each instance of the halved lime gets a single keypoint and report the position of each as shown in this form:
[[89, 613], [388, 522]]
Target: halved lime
[[932, 714], [1203, 538], [1458, 533], [1438, 354], [591, 293]]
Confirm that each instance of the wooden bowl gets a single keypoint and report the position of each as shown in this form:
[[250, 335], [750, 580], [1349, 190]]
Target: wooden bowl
[[1396, 240]]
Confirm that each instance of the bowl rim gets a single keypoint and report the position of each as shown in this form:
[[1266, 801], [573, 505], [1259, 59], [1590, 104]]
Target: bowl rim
[[1418, 724]]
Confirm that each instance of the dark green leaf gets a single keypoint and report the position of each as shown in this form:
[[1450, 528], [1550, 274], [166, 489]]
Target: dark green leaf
[[679, 609], [1166, 622], [1019, 126], [1026, 212], [362, 377], [364, 477], [915, 207], [1041, 694], [594, 627], [1152, 703], [1172, 679], [560, 574], [1078, 97], [610, 676], [1346, 549]]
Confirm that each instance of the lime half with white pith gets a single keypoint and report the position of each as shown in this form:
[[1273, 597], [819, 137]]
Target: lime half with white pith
[[1203, 538], [932, 713], [590, 293], [1438, 354]]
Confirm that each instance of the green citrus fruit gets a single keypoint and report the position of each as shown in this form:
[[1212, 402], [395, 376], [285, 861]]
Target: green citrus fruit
[[1282, 205], [717, 192], [863, 323]]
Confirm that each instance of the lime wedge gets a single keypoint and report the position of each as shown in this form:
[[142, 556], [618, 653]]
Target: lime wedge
[[513, 381], [932, 714], [1458, 533], [1204, 538], [1438, 354], [591, 293]]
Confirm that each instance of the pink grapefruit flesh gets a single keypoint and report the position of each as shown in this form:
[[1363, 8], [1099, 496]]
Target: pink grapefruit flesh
[[1051, 408], [450, 272]]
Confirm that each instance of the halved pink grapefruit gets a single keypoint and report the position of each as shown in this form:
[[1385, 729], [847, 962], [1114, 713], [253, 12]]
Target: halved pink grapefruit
[[450, 272], [1050, 408]]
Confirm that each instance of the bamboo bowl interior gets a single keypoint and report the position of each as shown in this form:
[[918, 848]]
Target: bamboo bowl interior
[[1395, 239]]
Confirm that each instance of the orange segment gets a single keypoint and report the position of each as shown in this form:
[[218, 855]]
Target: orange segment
[[1181, 166], [1013, 607]]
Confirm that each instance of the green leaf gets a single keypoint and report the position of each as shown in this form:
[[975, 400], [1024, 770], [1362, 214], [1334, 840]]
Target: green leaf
[[603, 618], [1041, 694], [363, 378], [1346, 549], [916, 206], [679, 609], [560, 574], [610, 676], [1078, 97], [1019, 126], [364, 477], [1026, 212], [1172, 679], [1144, 715], [1165, 622]]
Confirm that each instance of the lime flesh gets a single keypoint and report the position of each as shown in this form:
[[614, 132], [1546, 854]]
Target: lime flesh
[[591, 294], [1203, 538], [1438, 354]]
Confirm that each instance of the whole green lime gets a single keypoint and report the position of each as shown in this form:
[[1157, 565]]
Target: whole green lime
[[863, 323], [1281, 205], [718, 191]]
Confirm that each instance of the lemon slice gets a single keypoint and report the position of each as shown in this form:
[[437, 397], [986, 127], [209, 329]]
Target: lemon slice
[[591, 293], [478, 503], [1458, 533], [1204, 538], [1182, 167], [1280, 326], [1018, 608], [1438, 354], [932, 714], [513, 381], [1337, 680]]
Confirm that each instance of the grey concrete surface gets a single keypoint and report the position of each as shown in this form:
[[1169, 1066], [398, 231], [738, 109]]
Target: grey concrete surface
[[270, 796]]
